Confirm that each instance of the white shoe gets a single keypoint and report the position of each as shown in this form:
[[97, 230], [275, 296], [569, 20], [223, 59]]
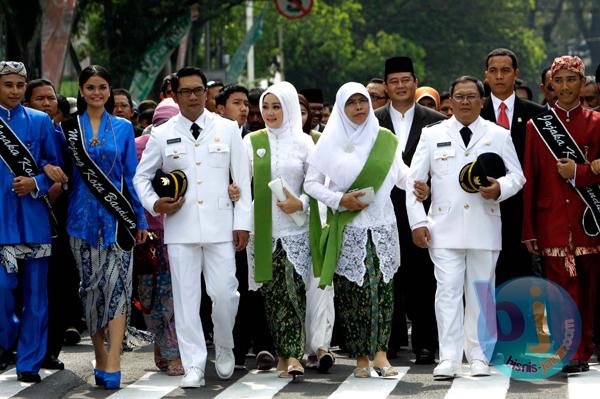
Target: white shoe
[[193, 378], [224, 362], [479, 368], [447, 369]]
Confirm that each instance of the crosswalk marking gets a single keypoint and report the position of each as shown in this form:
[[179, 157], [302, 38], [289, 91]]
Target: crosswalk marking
[[585, 385], [9, 386], [373, 388], [466, 387], [256, 384], [153, 385]]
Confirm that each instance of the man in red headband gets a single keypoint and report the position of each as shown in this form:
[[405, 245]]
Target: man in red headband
[[560, 214]]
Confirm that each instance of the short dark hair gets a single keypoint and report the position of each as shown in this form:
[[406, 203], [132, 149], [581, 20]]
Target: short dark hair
[[376, 80], [527, 89], [123, 92], [214, 83], [167, 80], [254, 95], [186, 71], [63, 105], [502, 52], [465, 79], [34, 84], [222, 96], [544, 72], [444, 96], [84, 76], [328, 106]]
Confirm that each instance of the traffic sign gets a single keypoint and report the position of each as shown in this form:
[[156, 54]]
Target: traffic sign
[[294, 9]]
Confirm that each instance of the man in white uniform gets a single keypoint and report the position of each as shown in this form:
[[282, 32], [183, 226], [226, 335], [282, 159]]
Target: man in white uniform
[[462, 230], [202, 229]]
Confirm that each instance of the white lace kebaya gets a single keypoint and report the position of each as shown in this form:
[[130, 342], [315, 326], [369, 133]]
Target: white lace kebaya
[[289, 151]]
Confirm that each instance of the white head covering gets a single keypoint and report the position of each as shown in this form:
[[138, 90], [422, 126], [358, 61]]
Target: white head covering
[[292, 117], [344, 146]]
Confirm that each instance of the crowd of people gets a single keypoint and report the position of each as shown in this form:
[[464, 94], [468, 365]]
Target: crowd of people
[[270, 222]]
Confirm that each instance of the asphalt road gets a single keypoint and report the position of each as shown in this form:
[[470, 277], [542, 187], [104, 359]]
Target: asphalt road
[[141, 380]]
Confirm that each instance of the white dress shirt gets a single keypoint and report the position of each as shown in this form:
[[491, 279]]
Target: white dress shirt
[[510, 107], [402, 124]]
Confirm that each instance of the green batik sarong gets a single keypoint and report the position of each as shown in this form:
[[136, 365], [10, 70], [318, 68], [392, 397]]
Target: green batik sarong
[[285, 306], [365, 312]]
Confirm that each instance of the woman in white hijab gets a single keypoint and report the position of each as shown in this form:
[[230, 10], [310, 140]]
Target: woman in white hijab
[[279, 256], [362, 252]]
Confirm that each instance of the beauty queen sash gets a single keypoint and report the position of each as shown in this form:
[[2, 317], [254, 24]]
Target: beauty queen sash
[[21, 162], [100, 185], [561, 144]]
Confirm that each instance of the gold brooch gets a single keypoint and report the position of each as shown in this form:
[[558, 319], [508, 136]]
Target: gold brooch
[[94, 141]]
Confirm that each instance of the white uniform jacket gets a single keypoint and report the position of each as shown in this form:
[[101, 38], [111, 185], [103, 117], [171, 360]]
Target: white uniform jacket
[[207, 216], [457, 219]]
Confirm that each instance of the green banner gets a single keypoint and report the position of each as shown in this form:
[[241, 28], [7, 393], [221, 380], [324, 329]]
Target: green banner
[[155, 56], [234, 69]]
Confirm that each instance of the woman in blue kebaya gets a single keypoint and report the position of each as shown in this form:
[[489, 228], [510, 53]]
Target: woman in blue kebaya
[[105, 269]]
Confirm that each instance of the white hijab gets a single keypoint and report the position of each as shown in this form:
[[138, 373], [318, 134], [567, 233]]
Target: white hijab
[[344, 146], [288, 97]]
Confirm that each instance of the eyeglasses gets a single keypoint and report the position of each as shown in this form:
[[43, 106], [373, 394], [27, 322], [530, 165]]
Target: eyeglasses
[[375, 97], [198, 91], [461, 97], [360, 101]]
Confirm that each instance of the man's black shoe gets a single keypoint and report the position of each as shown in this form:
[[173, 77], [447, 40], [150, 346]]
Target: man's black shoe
[[72, 336], [585, 366], [574, 366], [52, 363], [424, 356], [28, 376], [3, 359], [265, 361]]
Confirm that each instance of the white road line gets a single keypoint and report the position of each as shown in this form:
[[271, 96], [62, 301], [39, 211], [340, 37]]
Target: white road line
[[585, 385], [466, 387], [153, 385], [256, 385], [372, 388], [9, 386]]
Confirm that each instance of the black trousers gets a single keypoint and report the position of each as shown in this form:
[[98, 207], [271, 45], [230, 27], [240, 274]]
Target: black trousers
[[251, 329]]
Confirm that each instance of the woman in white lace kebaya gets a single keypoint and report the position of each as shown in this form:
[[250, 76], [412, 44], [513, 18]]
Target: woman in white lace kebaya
[[279, 256], [362, 252]]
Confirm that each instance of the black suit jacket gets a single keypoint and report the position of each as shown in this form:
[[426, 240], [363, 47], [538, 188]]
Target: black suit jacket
[[423, 116], [524, 110], [514, 259]]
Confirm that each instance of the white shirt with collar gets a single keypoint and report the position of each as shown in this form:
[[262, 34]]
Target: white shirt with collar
[[207, 215], [510, 107], [402, 124]]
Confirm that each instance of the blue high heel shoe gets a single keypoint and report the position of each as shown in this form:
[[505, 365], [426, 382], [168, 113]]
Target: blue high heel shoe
[[99, 376], [112, 380]]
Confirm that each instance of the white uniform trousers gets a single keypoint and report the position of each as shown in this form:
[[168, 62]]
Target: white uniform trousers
[[320, 315], [217, 262], [472, 272]]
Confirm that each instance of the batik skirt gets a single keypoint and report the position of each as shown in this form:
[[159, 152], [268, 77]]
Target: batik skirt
[[366, 310], [285, 306], [105, 286]]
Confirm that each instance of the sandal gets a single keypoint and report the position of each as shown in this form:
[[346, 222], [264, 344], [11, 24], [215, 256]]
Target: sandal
[[386, 371], [362, 372], [295, 371], [175, 370], [326, 362]]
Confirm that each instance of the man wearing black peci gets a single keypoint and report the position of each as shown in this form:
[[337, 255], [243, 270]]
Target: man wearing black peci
[[414, 284]]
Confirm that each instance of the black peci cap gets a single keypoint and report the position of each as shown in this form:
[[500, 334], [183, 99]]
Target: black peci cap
[[398, 64], [170, 185], [474, 174]]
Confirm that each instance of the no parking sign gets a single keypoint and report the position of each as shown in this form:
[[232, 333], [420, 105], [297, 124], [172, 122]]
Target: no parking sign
[[294, 9]]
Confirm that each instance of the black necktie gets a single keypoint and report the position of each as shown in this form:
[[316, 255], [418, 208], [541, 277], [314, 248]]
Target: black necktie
[[195, 130], [465, 132]]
